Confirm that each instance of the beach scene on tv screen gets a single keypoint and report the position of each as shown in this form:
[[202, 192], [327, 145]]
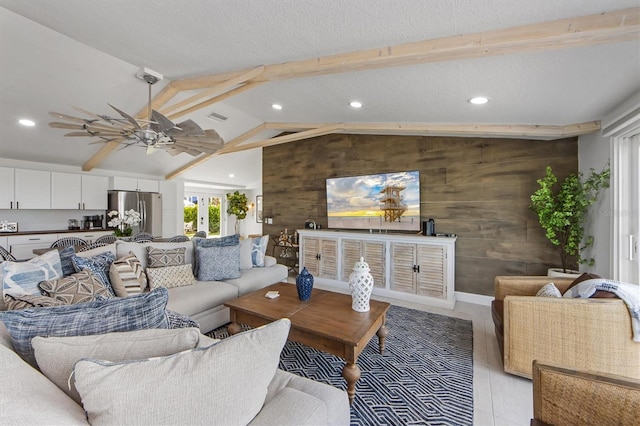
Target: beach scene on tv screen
[[388, 201]]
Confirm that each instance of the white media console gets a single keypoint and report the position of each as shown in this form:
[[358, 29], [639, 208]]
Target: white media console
[[407, 267]]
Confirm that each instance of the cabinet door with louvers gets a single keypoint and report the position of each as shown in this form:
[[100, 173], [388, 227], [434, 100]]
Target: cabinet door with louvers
[[403, 267], [328, 258], [310, 249], [432, 274], [373, 253]]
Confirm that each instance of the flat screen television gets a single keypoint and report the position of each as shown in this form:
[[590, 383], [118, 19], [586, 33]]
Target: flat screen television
[[389, 201]]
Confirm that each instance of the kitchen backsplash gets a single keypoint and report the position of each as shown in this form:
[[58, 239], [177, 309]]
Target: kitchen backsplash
[[44, 220]]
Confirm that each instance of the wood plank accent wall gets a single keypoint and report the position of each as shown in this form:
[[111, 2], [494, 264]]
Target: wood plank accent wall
[[477, 188]]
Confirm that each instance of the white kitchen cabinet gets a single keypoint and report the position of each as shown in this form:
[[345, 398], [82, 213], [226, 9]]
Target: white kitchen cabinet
[[22, 246], [133, 184], [7, 192], [78, 192], [404, 266], [66, 191], [32, 189], [94, 192], [89, 236]]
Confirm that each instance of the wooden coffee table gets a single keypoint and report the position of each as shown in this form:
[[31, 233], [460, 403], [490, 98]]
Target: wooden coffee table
[[325, 322]]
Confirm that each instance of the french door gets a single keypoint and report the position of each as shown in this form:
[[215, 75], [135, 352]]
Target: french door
[[202, 213]]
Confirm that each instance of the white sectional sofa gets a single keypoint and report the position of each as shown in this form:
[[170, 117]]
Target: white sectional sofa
[[30, 398], [203, 301]]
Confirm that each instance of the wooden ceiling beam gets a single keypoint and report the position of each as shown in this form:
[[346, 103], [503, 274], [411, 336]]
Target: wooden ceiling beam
[[221, 87], [608, 27], [203, 158], [216, 99]]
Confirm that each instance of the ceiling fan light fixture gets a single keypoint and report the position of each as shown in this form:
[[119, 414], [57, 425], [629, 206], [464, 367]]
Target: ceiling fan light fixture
[[155, 132]]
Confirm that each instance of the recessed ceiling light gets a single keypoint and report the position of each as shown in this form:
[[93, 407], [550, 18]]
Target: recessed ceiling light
[[355, 104], [26, 122], [276, 106], [478, 100], [231, 175]]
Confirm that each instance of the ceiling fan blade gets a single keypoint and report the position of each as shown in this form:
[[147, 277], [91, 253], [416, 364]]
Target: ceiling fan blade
[[178, 149], [151, 149], [129, 118], [187, 128], [101, 134], [68, 126], [61, 116], [160, 123]]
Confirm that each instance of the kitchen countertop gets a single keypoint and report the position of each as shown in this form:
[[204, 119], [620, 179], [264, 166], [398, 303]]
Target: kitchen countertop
[[54, 231]]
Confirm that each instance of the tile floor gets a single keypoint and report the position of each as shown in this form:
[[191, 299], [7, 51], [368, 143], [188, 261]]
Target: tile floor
[[499, 399]]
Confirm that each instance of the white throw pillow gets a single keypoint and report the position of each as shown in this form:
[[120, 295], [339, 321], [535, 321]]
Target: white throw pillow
[[549, 290], [225, 383], [245, 253], [56, 356], [22, 278]]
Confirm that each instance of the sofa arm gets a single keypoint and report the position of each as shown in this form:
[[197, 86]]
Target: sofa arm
[[526, 285], [593, 334], [269, 261]]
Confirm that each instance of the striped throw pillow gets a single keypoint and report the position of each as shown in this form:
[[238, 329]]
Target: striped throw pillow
[[127, 276]]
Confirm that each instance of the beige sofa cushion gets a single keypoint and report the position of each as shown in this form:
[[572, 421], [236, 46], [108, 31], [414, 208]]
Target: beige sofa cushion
[[200, 296], [197, 387], [28, 398], [56, 356]]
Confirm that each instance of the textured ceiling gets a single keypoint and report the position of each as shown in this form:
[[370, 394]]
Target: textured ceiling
[[75, 52]]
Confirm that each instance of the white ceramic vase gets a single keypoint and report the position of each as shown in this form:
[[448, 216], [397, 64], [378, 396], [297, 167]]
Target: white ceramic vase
[[361, 286]]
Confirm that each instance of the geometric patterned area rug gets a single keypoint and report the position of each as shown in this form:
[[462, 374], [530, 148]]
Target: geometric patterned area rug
[[424, 377]]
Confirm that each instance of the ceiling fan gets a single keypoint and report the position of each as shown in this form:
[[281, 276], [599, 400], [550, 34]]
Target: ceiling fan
[[157, 132]]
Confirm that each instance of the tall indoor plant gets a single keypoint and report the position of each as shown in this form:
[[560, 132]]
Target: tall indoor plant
[[237, 206], [562, 211]]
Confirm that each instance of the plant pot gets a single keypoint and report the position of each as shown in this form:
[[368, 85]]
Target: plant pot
[[558, 272]]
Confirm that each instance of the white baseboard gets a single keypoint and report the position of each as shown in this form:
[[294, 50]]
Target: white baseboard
[[478, 299]]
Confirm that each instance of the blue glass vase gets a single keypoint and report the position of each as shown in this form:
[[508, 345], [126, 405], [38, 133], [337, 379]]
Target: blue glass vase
[[304, 284]]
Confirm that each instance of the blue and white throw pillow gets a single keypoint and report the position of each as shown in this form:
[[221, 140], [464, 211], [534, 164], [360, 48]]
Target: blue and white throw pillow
[[99, 265], [66, 260], [138, 312], [229, 240], [218, 263], [22, 278], [258, 250]]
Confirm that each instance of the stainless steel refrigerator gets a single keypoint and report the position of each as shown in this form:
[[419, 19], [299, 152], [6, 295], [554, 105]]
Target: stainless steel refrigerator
[[148, 204]]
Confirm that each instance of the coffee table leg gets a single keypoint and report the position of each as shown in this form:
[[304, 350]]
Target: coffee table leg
[[382, 333], [351, 373], [234, 328]]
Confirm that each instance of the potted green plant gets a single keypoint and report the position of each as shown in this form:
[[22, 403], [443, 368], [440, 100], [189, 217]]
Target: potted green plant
[[562, 211], [237, 206]]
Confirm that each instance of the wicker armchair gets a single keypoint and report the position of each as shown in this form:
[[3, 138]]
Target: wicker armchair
[[577, 397], [593, 334]]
